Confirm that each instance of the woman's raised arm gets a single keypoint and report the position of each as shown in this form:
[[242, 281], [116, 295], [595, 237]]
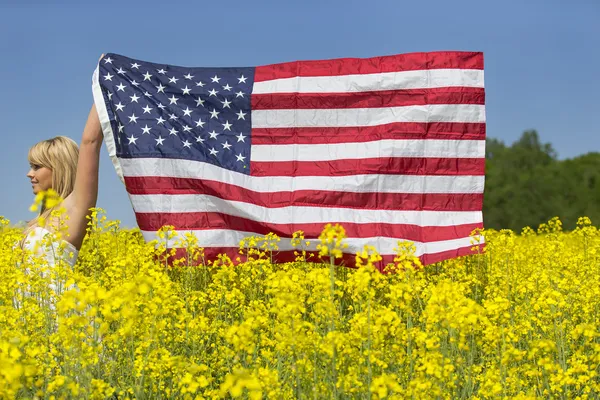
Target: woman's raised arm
[[85, 190]]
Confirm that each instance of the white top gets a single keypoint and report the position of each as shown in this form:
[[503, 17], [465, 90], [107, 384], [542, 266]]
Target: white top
[[37, 243]]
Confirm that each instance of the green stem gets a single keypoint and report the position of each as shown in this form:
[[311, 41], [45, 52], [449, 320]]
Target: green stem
[[370, 376], [332, 324]]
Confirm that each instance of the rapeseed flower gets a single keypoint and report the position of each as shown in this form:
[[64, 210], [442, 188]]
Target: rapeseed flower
[[518, 320]]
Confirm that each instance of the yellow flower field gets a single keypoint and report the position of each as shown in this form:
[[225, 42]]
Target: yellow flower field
[[518, 321]]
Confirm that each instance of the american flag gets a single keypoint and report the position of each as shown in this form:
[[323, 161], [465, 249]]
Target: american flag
[[392, 148]]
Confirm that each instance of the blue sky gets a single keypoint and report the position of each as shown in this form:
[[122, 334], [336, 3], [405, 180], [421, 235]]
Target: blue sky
[[541, 61]]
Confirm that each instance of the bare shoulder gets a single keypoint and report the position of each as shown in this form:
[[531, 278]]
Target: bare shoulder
[[76, 221], [69, 202]]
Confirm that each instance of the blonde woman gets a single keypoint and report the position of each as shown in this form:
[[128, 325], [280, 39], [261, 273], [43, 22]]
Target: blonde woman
[[72, 172]]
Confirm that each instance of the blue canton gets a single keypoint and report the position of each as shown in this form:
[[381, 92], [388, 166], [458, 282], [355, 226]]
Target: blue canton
[[165, 111]]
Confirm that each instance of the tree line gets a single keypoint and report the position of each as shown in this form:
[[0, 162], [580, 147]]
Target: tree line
[[526, 185]]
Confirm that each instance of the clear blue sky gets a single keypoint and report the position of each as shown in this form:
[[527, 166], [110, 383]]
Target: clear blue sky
[[542, 61]]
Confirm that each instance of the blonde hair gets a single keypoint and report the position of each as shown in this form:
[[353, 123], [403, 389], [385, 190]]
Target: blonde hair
[[60, 155]]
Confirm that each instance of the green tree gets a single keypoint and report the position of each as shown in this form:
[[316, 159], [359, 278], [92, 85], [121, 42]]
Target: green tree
[[526, 184]]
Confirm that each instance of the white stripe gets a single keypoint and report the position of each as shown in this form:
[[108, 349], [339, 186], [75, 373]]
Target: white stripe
[[380, 148], [184, 203], [351, 117], [230, 238], [143, 167], [420, 79]]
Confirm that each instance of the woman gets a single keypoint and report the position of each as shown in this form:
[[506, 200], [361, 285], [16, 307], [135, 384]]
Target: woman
[[73, 173]]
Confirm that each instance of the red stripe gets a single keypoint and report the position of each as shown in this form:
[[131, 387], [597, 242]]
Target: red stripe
[[316, 198], [397, 130], [212, 220], [348, 260], [374, 99], [383, 166], [446, 255], [373, 65]]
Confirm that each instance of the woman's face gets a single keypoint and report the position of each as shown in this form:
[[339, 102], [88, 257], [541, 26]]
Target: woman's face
[[40, 177]]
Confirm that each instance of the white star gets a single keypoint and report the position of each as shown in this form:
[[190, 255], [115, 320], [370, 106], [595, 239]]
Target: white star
[[239, 94], [186, 90], [120, 87], [134, 98], [134, 83], [119, 106], [121, 71], [161, 71], [242, 79], [241, 115], [146, 129], [187, 112], [110, 95], [214, 113], [160, 105], [187, 128], [133, 118], [200, 123], [173, 116], [188, 76], [160, 140], [213, 134], [173, 131], [240, 157], [108, 60], [173, 99], [135, 65], [199, 140], [240, 138], [173, 80], [147, 109], [200, 83], [226, 103], [161, 88], [226, 145], [227, 126], [132, 139], [147, 94], [147, 76], [215, 79], [187, 144], [212, 92], [108, 77], [227, 87], [213, 151], [160, 120], [121, 127], [199, 102]]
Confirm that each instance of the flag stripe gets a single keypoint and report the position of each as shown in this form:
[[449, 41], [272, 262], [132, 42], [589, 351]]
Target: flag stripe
[[389, 98], [383, 166], [347, 259], [397, 130], [225, 237], [367, 116], [160, 203], [353, 66], [159, 167], [319, 198], [430, 148], [215, 220], [424, 79]]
